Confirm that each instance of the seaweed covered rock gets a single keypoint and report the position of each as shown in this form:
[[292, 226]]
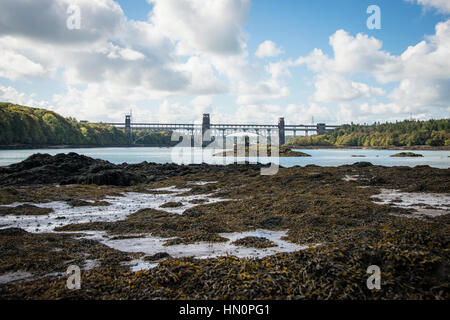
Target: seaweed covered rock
[[254, 242], [12, 232], [73, 168], [172, 205], [157, 256], [24, 210], [407, 155]]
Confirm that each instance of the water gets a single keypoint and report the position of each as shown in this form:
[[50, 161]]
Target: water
[[422, 204], [118, 209], [320, 157], [201, 250]]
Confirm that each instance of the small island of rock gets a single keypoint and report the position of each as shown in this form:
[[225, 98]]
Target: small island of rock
[[407, 154]]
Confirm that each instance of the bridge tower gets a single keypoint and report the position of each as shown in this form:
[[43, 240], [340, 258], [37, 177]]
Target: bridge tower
[[206, 126], [128, 128], [321, 128], [281, 131]]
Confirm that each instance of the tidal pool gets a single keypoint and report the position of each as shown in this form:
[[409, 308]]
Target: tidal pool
[[423, 204], [150, 245], [118, 209]]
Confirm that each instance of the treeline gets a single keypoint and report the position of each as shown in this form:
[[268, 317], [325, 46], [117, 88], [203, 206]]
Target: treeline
[[152, 137], [20, 125], [434, 133]]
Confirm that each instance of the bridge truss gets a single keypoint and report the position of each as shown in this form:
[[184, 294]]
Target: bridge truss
[[207, 128]]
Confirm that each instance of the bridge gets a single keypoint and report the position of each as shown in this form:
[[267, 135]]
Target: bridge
[[206, 128]]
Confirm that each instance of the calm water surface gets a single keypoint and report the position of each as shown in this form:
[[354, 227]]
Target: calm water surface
[[321, 157]]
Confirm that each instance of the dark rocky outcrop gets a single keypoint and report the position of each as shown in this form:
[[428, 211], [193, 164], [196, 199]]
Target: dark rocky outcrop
[[12, 232], [157, 256], [73, 168], [24, 210]]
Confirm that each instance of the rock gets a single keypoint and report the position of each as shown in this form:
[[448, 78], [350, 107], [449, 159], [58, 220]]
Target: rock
[[171, 205], [271, 223], [77, 203], [362, 164], [12, 232], [254, 242], [157, 256], [407, 154], [198, 201], [114, 177], [25, 210], [377, 181], [65, 169]]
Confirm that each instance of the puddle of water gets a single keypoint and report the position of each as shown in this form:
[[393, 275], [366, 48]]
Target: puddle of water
[[15, 276], [19, 276], [128, 203], [350, 177], [201, 183], [120, 207], [90, 264], [201, 250], [139, 264], [424, 204]]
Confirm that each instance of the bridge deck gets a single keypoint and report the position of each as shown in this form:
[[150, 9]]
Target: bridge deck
[[186, 126]]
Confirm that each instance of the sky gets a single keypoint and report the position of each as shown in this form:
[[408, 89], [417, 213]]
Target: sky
[[242, 61]]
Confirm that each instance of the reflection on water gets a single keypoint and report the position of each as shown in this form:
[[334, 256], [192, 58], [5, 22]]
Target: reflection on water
[[320, 157]]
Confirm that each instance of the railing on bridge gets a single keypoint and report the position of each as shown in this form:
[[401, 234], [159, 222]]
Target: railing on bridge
[[207, 126]]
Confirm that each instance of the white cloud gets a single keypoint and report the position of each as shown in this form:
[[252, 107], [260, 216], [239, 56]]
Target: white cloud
[[258, 113], [268, 49], [124, 53], [14, 65], [97, 102], [200, 26], [202, 77], [421, 71], [9, 94], [108, 49], [195, 49], [260, 92], [46, 20], [351, 55], [442, 6], [186, 48], [303, 114], [175, 112], [202, 104], [336, 88]]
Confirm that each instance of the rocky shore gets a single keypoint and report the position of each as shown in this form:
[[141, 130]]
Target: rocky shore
[[332, 211]]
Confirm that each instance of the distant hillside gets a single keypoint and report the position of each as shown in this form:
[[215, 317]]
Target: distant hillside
[[434, 133], [20, 125]]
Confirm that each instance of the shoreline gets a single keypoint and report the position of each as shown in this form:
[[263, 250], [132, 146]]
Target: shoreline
[[423, 148], [44, 146], [79, 146]]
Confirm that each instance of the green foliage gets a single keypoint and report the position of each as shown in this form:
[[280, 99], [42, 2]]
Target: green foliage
[[406, 133], [25, 125], [153, 137]]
